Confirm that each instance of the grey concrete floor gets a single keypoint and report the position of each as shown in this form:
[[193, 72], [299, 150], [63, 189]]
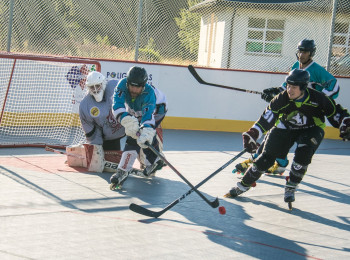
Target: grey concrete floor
[[51, 211]]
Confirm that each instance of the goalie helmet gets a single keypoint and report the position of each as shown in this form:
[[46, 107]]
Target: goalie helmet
[[307, 45], [96, 84], [299, 78], [137, 76]]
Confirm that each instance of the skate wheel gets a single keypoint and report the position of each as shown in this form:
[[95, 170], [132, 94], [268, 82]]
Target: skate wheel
[[113, 186], [290, 206], [253, 184]]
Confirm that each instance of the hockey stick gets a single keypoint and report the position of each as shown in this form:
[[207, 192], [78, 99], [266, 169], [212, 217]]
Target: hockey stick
[[155, 214], [60, 152], [213, 204], [201, 81]]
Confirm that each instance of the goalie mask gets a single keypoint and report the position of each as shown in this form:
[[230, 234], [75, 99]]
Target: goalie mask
[[96, 84]]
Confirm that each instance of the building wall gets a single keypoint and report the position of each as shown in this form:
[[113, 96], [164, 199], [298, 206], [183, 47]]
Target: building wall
[[296, 29]]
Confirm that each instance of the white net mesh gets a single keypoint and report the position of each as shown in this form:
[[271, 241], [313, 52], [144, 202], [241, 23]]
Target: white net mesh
[[244, 34], [39, 100]]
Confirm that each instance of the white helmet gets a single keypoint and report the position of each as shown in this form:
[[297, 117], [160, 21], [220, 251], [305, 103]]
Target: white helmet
[[96, 84]]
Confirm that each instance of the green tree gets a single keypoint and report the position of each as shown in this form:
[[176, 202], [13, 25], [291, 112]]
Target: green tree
[[189, 24]]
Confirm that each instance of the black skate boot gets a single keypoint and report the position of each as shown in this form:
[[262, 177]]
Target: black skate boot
[[150, 170], [289, 191], [118, 179], [236, 191]]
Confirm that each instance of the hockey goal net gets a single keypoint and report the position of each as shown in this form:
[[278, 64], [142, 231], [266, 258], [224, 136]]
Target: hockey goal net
[[39, 99]]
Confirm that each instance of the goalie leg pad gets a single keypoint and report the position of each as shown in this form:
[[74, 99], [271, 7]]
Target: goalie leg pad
[[76, 156], [94, 157], [113, 156]]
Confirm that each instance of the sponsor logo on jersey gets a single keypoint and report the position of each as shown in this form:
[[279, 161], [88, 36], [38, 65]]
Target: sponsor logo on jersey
[[113, 122], [94, 111], [296, 118]]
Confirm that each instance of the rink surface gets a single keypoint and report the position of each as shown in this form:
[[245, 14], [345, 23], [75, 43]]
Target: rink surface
[[51, 211]]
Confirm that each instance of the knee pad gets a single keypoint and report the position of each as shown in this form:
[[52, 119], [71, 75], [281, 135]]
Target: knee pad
[[297, 172]]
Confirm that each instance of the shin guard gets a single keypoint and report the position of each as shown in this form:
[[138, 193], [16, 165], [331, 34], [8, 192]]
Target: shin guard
[[127, 161], [297, 172], [251, 175]]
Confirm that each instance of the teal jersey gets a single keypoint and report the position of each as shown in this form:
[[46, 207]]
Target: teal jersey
[[320, 79], [142, 107]]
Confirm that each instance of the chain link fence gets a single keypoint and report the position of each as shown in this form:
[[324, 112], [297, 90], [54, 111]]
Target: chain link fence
[[212, 33]]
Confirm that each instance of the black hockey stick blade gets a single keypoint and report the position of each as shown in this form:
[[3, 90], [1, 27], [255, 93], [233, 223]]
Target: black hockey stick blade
[[146, 212], [201, 81], [215, 203]]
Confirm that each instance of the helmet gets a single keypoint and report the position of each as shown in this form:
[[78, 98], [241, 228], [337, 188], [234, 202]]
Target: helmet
[[96, 84], [137, 76], [307, 45], [299, 78]]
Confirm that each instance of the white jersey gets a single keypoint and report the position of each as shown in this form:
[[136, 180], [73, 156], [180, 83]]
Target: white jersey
[[97, 118]]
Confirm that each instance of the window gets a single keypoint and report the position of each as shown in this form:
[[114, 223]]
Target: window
[[265, 36], [341, 44]]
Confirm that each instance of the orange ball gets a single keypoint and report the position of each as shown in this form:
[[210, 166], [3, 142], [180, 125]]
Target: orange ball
[[222, 210]]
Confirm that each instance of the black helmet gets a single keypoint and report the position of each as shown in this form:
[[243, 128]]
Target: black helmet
[[307, 45], [137, 76], [299, 78]]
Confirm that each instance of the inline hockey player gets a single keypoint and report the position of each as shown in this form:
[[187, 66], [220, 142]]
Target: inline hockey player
[[296, 115], [102, 131], [320, 79], [140, 108]]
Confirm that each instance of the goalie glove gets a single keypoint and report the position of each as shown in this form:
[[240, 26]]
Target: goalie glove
[[249, 140], [146, 135], [345, 129], [131, 125], [269, 93]]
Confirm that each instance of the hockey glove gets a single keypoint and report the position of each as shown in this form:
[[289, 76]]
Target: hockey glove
[[345, 129], [249, 140], [146, 135], [131, 125], [269, 93]]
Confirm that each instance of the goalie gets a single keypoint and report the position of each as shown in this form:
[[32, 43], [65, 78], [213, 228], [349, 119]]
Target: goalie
[[102, 131], [140, 108]]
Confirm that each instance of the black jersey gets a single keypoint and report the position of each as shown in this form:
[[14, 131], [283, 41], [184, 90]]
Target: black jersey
[[285, 113]]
